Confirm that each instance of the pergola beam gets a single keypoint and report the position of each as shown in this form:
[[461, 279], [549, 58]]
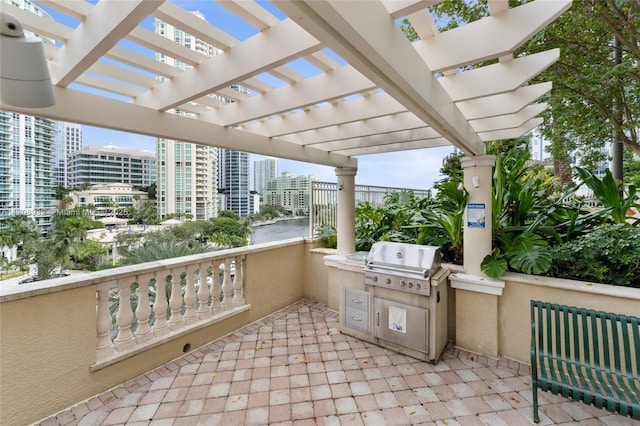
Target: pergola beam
[[236, 64], [510, 121], [512, 133], [376, 105], [498, 78], [488, 38], [372, 126], [336, 84], [504, 103], [401, 146], [379, 50], [424, 133], [86, 108], [104, 26]]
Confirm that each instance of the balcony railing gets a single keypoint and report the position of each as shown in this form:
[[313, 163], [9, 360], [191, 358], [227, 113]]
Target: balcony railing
[[171, 301], [324, 200]]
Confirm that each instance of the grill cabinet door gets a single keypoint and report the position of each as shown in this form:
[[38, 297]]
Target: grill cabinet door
[[401, 324]]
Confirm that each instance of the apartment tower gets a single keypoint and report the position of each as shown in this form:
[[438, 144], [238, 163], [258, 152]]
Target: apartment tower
[[187, 173], [263, 171], [109, 164], [68, 141]]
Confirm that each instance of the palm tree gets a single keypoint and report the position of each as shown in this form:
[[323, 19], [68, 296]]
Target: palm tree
[[66, 201], [20, 231], [67, 233], [155, 250]]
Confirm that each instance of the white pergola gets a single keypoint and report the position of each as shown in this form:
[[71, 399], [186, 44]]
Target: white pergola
[[386, 94]]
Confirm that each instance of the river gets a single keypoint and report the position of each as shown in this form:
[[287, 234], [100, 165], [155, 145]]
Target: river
[[281, 230]]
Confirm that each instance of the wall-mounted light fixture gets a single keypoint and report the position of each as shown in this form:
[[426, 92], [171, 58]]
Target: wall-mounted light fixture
[[24, 74]]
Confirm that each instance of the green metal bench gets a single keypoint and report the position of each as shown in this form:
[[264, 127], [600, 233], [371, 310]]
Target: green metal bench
[[587, 356]]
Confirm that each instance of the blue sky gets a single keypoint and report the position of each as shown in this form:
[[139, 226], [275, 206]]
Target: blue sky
[[417, 169]]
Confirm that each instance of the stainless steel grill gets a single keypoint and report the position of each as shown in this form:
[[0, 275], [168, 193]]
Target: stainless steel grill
[[401, 266], [402, 301]]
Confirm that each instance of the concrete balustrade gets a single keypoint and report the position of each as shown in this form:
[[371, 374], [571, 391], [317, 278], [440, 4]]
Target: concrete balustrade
[[167, 302]]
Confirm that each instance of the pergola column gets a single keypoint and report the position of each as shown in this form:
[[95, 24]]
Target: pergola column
[[478, 179], [477, 317], [346, 221]]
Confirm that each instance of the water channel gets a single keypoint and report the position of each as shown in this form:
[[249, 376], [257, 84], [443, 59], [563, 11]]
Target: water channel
[[280, 230]]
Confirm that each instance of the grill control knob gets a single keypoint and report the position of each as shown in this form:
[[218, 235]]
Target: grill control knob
[[410, 285], [417, 286], [402, 283], [388, 281], [375, 279]]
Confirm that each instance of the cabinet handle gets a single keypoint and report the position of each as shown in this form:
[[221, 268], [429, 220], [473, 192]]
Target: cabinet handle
[[377, 318], [356, 300], [356, 318]]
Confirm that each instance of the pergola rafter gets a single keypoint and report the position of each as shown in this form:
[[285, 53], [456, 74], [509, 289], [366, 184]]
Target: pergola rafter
[[323, 82]]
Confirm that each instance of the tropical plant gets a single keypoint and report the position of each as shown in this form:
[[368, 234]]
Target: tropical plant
[[446, 217], [615, 204], [147, 214], [18, 231], [227, 232], [89, 254], [68, 232], [328, 234], [610, 253], [45, 258], [151, 251], [390, 222]]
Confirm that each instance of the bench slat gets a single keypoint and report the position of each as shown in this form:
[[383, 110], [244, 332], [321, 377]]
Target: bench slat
[[586, 355]]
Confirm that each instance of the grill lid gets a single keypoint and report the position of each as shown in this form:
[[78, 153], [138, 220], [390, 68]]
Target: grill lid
[[403, 258]]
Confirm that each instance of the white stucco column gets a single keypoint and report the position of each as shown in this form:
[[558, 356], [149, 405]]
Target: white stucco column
[[346, 223], [478, 181], [477, 316]]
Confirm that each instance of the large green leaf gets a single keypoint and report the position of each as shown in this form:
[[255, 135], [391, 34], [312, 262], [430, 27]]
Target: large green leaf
[[494, 265], [529, 254]]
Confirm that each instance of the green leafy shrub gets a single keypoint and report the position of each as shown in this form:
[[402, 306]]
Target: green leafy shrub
[[392, 222], [609, 254], [329, 235]]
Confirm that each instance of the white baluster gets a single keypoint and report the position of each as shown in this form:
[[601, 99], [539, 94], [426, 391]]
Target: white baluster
[[216, 307], [143, 310], [204, 311], [160, 326], [227, 286], [104, 346], [125, 340], [175, 301], [238, 282], [190, 296]]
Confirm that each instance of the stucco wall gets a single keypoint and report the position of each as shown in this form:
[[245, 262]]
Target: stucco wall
[[316, 278], [514, 319], [48, 341]]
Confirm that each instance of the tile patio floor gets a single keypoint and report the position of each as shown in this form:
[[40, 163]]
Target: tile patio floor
[[295, 368]]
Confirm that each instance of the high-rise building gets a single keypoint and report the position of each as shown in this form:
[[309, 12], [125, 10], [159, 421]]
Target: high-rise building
[[187, 173], [263, 171], [68, 141], [26, 167], [109, 164], [27, 147], [234, 182], [292, 193]]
